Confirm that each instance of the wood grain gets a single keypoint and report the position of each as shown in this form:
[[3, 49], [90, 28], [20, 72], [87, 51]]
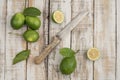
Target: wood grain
[[47, 50], [2, 38], [104, 39], [99, 29], [38, 72], [118, 40], [82, 39], [60, 35], [14, 43], [55, 58]]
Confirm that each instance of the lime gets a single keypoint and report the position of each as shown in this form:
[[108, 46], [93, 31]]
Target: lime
[[33, 22], [17, 21], [58, 16], [31, 36], [68, 65], [93, 54]]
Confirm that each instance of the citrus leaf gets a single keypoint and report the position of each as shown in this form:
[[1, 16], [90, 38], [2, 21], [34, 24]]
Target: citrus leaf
[[31, 11], [67, 52], [23, 55]]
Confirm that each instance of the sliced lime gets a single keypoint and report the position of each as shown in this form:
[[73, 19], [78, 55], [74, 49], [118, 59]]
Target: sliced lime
[[58, 16], [93, 54]]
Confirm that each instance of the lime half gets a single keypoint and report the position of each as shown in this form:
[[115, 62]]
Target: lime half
[[58, 16], [93, 54]]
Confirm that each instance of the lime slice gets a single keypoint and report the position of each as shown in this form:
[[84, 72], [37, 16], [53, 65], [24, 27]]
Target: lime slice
[[93, 54], [58, 16]]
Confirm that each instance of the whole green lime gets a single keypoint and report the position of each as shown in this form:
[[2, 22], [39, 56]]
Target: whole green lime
[[31, 36], [68, 65], [33, 22], [17, 21]]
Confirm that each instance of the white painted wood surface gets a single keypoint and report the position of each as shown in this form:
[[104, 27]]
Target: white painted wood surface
[[37, 72], [105, 39], [82, 39], [14, 43], [99, 29], [2, 38], [55, 58], [118, 40]]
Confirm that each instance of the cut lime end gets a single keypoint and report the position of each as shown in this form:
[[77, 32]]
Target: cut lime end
[[58, 16], [93, 54]]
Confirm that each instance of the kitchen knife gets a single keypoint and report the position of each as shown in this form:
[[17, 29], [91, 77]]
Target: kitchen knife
[[57, 38]]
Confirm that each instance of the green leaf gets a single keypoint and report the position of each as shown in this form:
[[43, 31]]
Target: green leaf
[[23, 55], [67, 52], [31, 11]]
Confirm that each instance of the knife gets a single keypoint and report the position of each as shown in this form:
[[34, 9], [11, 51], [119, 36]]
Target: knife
[[58, 37]]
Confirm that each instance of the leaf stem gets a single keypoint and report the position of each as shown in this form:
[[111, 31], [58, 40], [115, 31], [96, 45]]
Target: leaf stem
[[77, 51]]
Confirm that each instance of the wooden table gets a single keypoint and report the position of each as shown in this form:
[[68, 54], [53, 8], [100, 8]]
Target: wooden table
[[101, 29]]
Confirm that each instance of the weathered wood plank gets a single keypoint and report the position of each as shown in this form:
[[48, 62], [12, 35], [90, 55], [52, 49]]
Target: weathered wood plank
[[118, 40], [82, 39], [2, 38], [55, 58], [14, 43], [104, 39], [38, 72]]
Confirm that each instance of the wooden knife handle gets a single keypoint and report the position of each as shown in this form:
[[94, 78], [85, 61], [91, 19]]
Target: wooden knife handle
[[56, 40]]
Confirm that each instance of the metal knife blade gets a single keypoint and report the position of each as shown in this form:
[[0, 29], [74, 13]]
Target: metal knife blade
[[71, 25]]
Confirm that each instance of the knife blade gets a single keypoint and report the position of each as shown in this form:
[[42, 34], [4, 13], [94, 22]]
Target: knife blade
[[72, 24], [57, 38]]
